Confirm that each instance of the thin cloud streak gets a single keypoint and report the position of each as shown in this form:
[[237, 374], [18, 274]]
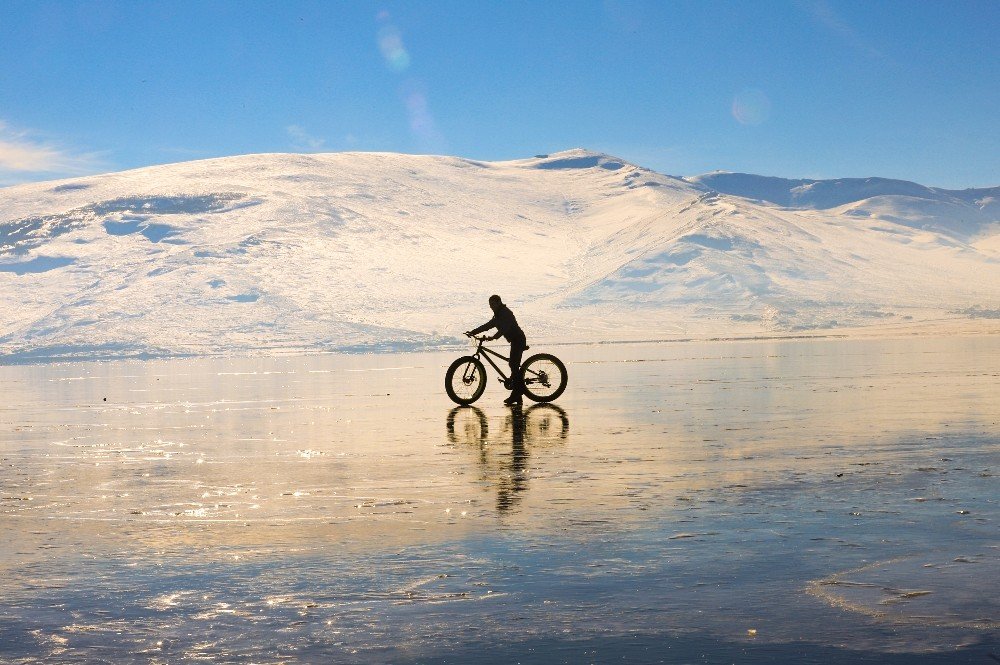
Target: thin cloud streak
[[24, 157], [823, 13]]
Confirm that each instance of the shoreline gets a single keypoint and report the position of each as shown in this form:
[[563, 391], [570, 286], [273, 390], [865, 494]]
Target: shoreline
[[914, 329]]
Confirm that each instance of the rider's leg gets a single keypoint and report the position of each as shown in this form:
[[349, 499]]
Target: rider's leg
[[517, 386]]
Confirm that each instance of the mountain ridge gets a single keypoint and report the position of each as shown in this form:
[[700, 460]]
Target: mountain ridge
[[810, 193], [381, 251]]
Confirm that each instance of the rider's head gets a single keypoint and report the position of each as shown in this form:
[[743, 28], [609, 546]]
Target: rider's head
[[495, 302]]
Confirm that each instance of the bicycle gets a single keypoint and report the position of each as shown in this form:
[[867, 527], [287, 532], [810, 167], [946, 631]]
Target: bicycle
[[543, 375]]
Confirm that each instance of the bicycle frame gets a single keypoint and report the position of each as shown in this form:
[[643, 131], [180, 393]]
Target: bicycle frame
[[484, 353]]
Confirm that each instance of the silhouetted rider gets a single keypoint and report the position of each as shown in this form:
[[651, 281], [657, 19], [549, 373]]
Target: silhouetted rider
[[505, 323]]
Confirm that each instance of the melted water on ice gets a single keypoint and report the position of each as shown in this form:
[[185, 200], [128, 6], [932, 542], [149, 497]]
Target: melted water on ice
[[818, 500]]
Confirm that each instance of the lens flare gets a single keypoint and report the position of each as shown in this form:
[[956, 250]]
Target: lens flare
[[390, 43], [751, 107], [418, 112], [420, 119], [412, 91]]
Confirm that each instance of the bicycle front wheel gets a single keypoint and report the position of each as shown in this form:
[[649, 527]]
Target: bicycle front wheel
[[467, 424], [544, 377], [465, 380]]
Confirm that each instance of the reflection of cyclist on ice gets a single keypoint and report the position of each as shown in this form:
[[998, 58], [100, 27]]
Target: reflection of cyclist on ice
[[505, 323]]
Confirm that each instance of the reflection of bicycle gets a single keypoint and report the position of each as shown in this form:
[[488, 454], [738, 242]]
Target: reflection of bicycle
[[545, 423], [466, 424], [540, 424], [543, 375]]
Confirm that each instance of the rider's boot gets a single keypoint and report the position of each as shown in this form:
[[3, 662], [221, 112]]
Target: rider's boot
[[515, 398]]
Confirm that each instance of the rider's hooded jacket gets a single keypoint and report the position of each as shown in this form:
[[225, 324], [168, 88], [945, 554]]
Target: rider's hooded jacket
[[505, 323]]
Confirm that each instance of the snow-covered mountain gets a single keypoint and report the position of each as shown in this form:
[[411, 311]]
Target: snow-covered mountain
[[966, 214], [265, 253]]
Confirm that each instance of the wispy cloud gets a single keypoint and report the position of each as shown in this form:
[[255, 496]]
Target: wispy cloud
[[303, 140], [26, 156], [824, 14]]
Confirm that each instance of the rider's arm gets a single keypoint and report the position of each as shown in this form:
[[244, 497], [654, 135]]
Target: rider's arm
[[486, 326]]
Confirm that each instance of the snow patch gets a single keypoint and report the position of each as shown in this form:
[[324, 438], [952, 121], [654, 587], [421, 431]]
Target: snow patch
[[37, 264]]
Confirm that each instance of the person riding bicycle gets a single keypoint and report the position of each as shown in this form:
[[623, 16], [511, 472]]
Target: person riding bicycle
[[505, 323]]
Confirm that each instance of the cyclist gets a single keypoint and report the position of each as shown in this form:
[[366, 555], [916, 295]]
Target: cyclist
[[505, 323]]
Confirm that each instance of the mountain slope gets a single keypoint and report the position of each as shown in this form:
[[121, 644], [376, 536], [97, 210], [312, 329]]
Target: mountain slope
[[264, 253], [964, 213]]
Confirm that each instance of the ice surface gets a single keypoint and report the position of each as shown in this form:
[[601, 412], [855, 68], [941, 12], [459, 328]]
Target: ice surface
[[271, 254], [824, 501]]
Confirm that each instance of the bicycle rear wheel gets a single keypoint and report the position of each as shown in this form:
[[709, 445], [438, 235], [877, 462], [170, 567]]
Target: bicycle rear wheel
[[544, 377], [544, 423], [465, 380]]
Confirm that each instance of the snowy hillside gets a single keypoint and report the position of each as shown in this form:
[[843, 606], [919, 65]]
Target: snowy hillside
[[353, 251], [967, 214]]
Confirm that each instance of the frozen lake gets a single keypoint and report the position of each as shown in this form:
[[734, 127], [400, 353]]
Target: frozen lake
[[802, 501]]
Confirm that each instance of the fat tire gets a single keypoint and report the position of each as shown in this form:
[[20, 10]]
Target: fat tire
[[459, 365], [564, 377]]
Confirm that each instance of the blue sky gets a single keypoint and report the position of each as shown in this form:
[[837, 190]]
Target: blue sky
[[797, 88]]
